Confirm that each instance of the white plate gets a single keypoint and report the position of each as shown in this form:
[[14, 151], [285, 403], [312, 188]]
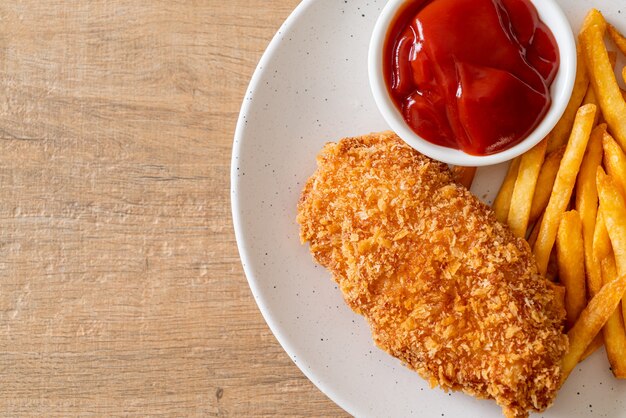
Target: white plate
[[310, 88]]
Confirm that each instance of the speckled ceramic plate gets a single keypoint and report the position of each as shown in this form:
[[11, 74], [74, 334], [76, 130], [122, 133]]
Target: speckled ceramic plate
[[310, 88]]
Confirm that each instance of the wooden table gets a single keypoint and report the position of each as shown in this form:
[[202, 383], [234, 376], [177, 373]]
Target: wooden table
[[121, 290]]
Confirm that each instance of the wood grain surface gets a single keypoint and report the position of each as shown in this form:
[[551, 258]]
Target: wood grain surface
[[121, 289]]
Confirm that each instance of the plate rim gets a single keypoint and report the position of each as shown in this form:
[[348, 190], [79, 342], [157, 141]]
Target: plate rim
[[240, 239]]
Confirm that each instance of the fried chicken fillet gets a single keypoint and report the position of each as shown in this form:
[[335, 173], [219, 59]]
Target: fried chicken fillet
[[445, 287]]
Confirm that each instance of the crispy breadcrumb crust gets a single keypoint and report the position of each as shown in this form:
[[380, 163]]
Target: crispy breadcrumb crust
[[445, 287]]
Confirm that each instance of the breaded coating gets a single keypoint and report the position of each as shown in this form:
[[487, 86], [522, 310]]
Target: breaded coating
[[445, 287]]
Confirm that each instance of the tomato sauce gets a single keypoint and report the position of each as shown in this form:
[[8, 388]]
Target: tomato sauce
[[473, 75]]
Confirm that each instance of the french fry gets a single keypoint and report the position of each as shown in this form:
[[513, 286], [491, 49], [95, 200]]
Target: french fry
[[590, 98], [613, 61], [624, 78], [564, 185], [503, 201], [545, 182], [613, 208], [587, 199], [601, 249], [464, 175], [595, 344], [602, 75], [617, 38], [524, 189], [614, 161], [560, 133], [614, 333], [590, 322], [598, 341], [570, 257]]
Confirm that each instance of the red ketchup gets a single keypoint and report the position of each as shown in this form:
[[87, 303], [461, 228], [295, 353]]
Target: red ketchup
[[473, 75]]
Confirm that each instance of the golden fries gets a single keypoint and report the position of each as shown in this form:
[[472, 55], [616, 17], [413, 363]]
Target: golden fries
[[570, 257], [595, 344], [613, 208], [564, 184], [614, 161], [601, 249], [583, 249], [524, 189], [617, 38], [590, 98], [502, 203], [602, 75], [587, 200], [614, 213], [464, 175], [560, 133], [545, 181], [590, 322], [614, 333]]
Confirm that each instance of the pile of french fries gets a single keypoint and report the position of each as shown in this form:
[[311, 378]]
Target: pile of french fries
[[567, 197]]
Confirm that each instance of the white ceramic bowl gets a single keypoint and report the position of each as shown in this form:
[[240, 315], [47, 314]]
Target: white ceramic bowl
[[561, 90]]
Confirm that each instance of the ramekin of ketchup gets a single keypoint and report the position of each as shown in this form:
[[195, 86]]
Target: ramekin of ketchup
[[472, 82]]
